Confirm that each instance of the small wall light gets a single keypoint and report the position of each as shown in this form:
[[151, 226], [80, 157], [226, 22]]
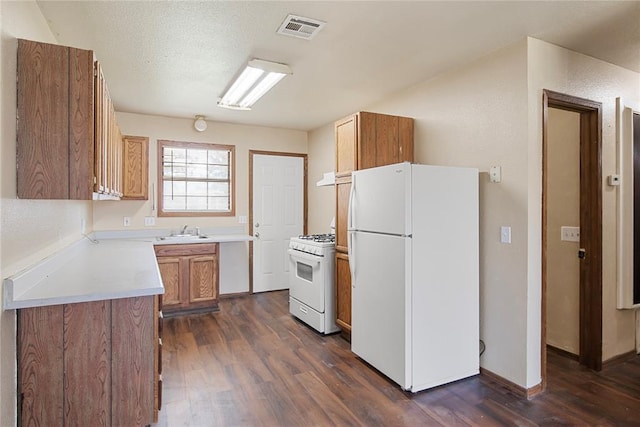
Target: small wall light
[[200, 124]]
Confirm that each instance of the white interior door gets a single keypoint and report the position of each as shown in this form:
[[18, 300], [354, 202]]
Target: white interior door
[[278, 205]]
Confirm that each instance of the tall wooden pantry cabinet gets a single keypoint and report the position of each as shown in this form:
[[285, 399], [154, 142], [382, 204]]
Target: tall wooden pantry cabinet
[[363, 140]]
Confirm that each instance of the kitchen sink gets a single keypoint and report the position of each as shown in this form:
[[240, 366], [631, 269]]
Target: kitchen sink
[[183, 237]]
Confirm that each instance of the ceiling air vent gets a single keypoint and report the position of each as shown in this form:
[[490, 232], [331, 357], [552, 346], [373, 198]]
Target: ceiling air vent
[[298, 26]]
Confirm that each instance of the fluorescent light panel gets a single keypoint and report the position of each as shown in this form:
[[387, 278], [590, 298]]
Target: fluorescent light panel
[[255, 80]]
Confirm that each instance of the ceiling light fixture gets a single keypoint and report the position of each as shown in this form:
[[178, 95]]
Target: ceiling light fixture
[[255, 80], [200, 124]]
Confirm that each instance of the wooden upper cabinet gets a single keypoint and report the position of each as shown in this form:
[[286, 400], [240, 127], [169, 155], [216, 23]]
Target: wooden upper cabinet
[[55, 127], [108, 141], [68, 142], [135, 168], [384, 140], [346, 137]]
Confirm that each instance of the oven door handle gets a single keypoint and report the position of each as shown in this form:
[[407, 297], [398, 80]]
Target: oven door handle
[[313, 260]]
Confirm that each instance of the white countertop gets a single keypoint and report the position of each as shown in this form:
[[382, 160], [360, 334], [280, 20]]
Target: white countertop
[[109, 266]]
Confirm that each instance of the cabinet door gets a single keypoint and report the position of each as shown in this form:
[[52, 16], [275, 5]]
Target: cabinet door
[[171, 273], [405, 139], [343, 188], [157, 366], [203, 278], [133, 361], [135, 168], [40, 366], [343, 292], [87, 363], [387, 141], [384, 140], [101, 111], [54, 134], [346, 137]]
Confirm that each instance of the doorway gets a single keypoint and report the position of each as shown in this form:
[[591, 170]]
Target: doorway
[[277, 211], [589, 248]]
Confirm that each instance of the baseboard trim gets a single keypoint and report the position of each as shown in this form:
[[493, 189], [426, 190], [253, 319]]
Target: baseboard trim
[[563, 353], [527, 393], [233, 295], [621, 358]]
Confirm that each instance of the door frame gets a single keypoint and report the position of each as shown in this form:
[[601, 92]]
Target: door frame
[[304, 198], [590, 237]]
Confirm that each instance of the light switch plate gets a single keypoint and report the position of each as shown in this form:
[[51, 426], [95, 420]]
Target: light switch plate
[[505, 234], [126, 221], [149, 221], [242, 219], [570, 234]]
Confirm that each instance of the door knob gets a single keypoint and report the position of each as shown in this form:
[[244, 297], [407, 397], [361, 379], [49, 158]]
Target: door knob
[[257, 224], [257, 235], [582, 253]]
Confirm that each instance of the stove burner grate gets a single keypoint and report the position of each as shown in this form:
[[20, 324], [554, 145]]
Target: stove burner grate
[[320, 238]]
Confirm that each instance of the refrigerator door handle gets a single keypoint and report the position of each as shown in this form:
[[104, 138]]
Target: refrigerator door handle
[[350, 210], [352, 261]]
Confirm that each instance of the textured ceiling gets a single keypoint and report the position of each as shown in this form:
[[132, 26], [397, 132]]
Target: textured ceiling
[[176, 58]]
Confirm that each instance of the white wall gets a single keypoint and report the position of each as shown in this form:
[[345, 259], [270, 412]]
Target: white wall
[[108, 214]]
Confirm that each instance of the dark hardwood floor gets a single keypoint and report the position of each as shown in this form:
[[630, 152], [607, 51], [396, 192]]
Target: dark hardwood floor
[[252, 364]]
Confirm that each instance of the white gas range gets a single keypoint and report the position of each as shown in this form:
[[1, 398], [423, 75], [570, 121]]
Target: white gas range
[[311, 281]]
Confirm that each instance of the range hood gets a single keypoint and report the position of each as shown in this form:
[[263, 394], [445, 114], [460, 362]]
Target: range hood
[[329, 178]]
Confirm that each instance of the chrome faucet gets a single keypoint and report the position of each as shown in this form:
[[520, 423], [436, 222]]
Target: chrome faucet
[[184, 229]]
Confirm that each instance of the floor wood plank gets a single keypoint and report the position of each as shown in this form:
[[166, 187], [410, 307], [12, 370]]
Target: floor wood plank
[[252, 364]]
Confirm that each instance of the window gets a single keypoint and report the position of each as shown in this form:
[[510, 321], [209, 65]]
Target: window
[[197, 179]]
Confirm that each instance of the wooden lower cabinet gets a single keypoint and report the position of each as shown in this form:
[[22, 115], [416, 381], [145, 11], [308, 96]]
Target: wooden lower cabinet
[[190, 277], [343, 292], [88, 363]]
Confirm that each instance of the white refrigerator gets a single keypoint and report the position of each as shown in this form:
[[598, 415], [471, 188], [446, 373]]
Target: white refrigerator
[[413, 254]]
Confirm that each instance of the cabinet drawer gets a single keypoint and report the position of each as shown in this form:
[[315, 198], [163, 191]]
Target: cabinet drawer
[[187, 249]]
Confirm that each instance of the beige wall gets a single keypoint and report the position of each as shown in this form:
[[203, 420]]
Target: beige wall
[[490, 113], [485, 114], [563, 209], [108, 215], [30, 229], [322, 200], [476, 116], [561, 70]]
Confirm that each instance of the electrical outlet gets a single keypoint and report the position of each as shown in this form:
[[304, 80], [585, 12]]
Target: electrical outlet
[[495, 174], [149, 221], [126, 221]]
